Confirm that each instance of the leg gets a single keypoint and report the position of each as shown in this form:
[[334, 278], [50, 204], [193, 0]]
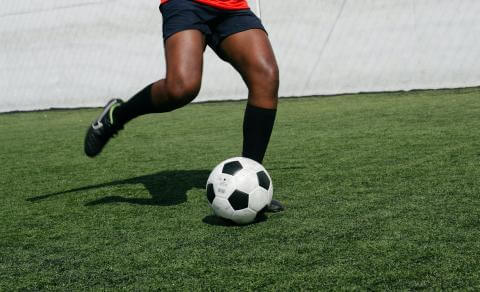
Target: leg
[[251, 54], [184, 58]]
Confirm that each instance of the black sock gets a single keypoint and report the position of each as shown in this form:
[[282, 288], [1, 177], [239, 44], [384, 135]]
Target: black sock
[[139, 104], [257, 128]]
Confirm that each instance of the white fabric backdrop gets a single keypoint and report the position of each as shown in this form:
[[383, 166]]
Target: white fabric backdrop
[[79, 53]]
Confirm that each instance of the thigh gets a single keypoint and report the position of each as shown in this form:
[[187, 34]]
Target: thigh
[[184, 56], [184, 30], [229, 23], [251, 53]]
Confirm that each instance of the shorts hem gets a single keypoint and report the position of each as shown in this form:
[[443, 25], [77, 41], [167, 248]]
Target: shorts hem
[[171, 33]]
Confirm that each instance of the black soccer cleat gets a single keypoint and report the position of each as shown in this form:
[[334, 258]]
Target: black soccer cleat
[[275, 206], [102, 129]]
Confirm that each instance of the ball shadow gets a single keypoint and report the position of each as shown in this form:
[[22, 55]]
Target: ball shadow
[[218, 221]]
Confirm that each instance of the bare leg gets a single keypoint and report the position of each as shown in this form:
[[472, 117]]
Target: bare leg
[[251, 54], [184, 60]]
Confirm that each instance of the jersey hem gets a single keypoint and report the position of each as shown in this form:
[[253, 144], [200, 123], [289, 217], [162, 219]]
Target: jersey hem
[[218, 6]]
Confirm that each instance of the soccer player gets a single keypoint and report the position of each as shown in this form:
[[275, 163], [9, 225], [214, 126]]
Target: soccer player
[[238, 37]]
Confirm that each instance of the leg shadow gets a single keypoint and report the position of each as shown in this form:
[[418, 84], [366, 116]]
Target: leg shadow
[[166, 188]]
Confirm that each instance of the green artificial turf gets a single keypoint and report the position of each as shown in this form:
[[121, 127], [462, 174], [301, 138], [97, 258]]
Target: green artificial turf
[[382, 192]]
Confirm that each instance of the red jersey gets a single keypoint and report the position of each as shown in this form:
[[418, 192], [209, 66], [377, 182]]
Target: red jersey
[[222, 4]]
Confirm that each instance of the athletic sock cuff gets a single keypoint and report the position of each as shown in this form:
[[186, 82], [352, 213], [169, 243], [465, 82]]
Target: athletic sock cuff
[[260, 110]]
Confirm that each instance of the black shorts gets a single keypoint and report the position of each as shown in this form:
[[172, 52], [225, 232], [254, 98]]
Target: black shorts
[[216, 24]]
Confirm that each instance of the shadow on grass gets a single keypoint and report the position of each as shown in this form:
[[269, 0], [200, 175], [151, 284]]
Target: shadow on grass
[[166, 188], [217, 221]]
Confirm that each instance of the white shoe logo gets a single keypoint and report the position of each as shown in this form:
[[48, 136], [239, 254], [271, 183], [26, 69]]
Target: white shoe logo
[[97, 125]]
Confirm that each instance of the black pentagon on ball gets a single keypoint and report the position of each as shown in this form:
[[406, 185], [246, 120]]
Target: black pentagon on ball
[[238, 200], [210, 193], [232, 167], [263, 180]]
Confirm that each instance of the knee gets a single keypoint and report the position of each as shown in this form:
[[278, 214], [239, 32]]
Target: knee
[[263, 86], [269, 72], [272, 74], [267, 76], [182, 91]]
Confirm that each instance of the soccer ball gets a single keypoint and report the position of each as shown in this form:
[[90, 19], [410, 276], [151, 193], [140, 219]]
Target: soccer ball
[[238, 189]]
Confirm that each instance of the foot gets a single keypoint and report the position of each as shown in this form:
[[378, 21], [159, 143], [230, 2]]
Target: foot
[[102, 129], [275, 206]]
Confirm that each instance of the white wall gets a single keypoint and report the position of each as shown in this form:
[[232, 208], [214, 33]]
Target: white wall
[[78, 53]]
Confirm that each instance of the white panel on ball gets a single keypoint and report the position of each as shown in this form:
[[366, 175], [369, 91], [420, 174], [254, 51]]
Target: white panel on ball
[[244, 216], [258, 200], [222, 208], [252, 165], [224, 185], [246, 180]]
